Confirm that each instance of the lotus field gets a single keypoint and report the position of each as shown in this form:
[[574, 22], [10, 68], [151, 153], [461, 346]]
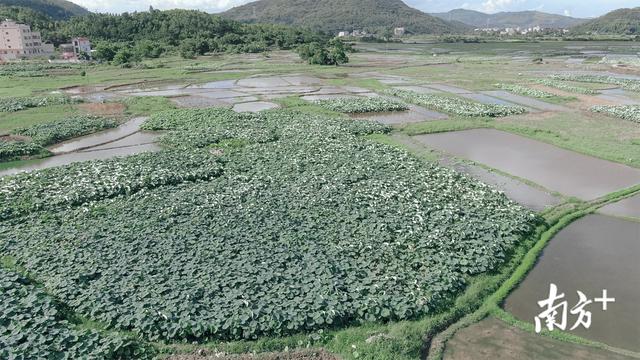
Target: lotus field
[[526, 91], [22, 103], [80, 183], [15, 150], [61, 130], [33, 326], [561, 85], [362, 105], [455, 105], [626, 112], [267, 224], [628, 84]]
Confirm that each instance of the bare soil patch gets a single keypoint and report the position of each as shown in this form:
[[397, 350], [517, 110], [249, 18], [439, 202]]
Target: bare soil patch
[[493, 339], [315, 354], [103, 109]]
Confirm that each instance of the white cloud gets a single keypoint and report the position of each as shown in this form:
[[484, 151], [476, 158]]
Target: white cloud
[[491, 6], [567, 12], [140, 5]]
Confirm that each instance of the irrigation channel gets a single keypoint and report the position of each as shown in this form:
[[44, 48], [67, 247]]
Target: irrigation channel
[[126, 139]]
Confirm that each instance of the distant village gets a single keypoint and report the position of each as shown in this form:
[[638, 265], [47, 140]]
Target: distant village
[[18, 41], [399, 31], [512, 31]]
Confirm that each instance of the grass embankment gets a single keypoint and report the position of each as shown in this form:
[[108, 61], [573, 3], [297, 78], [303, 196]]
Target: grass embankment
[[492, 305]]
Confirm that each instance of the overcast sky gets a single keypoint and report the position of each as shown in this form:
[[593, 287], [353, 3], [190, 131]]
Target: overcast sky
[[577, 8]]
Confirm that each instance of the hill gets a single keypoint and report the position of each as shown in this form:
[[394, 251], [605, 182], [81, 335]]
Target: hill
[[523, 19], [621, 21], [343, 15], [55, 9]]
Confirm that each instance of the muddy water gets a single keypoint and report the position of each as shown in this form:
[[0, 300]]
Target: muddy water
[[486, 99], [526, 101], [449, 88], [414, 114], [73, 157], [617, 96], [254, 106], [629, 207], [136, 139], [553, 168], [417, 88], [594, 253], [516, 190], [102, 137]]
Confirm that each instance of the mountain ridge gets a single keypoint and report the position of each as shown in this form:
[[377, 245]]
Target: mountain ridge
[[523, 19], [55, 9], [620, 21], [343, 15]]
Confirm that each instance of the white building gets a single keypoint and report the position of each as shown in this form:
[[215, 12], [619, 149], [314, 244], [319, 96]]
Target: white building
[[17, 41], [343, 33], [78, 48], [399, 31]]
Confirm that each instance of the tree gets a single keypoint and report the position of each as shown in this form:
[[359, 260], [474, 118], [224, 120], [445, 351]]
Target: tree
[[105, 51], [332, 53], [337, 52], [125, 56], [190, 48]]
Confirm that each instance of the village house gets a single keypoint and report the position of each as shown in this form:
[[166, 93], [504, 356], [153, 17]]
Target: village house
[[79, 48], [17, 41], [399, 31]]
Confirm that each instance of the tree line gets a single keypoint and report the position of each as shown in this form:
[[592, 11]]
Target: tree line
[[132, 37]]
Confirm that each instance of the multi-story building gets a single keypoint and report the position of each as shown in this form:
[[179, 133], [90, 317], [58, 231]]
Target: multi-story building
[[17, 41], [78, 49]]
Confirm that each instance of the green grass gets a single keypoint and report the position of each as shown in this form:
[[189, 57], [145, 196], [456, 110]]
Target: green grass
[[23, 118], [147, 105], [371, 84], [452, 124], [298, 104]]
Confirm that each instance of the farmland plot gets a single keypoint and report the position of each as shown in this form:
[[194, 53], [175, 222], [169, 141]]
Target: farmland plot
[[626, 112], [308, 226], [362, 105], [456, 106], [33, 327], [57, 131], [21, 103], [628, 84]]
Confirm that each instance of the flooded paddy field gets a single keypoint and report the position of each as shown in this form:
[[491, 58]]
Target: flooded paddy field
[[86, 155], [126, 139], [594, 253], [526, 101], [128, 128], [413, 115], [629, 207], [553, 168], [518, 191]]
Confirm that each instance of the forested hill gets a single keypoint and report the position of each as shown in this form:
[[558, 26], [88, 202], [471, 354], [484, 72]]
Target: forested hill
[[523, 19], [174, 26], [151, 33], [621, 21], [343, 15], [55, 9]]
